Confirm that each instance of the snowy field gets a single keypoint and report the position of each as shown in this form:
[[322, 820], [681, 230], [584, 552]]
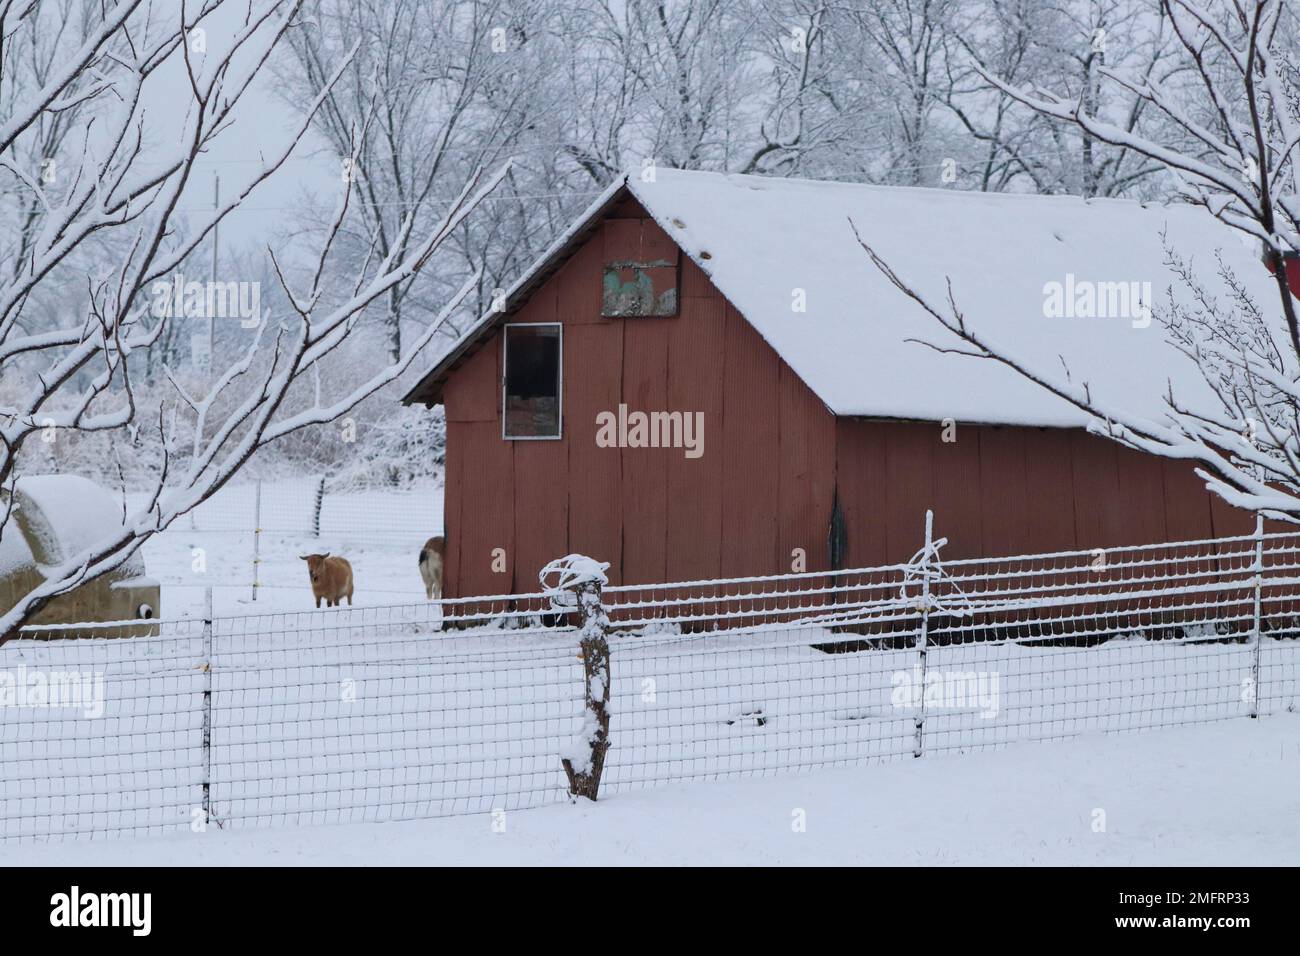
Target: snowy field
[[380, 532], [1223, 794], [373, 715]]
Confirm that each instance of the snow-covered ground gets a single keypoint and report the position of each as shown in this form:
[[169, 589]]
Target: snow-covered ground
[[1222, 794], [363, 715], [380, 532], [367, 716]]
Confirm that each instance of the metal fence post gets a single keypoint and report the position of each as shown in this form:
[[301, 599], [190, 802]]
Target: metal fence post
[[207, 706], [320, 502], [257, 534], [1258, 629], [923, 636]]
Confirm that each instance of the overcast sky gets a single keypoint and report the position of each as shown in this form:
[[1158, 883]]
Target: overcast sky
[[263, 125]]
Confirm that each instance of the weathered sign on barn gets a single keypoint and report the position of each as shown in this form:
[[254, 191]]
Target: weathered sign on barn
[[639, 288]]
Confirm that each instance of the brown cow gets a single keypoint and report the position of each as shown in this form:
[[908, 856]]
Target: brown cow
[[431, 560], [331, 578]]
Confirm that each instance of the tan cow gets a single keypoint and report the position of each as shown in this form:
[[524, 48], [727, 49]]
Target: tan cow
[[331, 578], [431, 558]]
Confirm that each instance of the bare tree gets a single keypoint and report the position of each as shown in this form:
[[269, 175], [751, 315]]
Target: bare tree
[[1234, 147], [1028, 43], [451, 85], [124, 188]]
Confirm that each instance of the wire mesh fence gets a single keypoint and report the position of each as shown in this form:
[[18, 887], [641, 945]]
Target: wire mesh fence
[[313, 506], [245, 539], [474, 705]]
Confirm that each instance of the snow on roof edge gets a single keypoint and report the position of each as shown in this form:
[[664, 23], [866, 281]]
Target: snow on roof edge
[[541, 262], [665, 223], [695, 191]]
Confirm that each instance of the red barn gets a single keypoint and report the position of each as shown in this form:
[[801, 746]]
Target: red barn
[[707, 377]]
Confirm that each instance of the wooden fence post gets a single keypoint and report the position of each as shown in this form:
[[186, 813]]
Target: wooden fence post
[[584, 781], [583, 578]]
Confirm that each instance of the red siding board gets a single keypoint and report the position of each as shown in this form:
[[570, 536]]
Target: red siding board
[[657, 244], [473, 394], [1141, 498], [621, 241], [807, 472], [592, 384], [541, 508], [1229, 521], [645, 474], [1187, 503], [750, 446], [695, 284], [1048, 492], [1003, 477], [862, 483], [958, 500], [486, 517], [1098, 517], [577, 287], [542, 305], [696, 370], [627, 208], [909, 465], [453, 498]]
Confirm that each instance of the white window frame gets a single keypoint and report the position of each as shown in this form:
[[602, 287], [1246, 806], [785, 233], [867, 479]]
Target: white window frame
[[505, 357]]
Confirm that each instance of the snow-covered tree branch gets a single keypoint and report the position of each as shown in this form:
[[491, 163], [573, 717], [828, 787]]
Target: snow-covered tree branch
[[109, 207], [1232, 117]]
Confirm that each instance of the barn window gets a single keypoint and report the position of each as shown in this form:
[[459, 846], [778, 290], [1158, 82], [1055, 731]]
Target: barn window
[[531, 381]]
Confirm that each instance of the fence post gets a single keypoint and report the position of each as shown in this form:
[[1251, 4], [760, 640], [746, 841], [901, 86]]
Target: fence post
[[583, 578], [1258, 630], [923, 632], [320, 502], [207, 706], [257, 534]]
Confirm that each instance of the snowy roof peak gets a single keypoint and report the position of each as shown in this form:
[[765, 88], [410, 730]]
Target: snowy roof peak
[[784, 252], [1023, 270]]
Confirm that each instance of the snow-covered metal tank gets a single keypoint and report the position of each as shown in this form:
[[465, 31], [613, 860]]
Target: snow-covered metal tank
[[54, 518]]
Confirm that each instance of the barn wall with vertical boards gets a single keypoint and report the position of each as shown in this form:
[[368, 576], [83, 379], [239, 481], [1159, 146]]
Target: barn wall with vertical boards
[[760, 498], [762, 488], [1006, 490]]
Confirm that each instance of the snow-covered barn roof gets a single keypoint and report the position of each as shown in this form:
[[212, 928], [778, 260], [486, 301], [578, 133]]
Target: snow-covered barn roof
[[766, 243]]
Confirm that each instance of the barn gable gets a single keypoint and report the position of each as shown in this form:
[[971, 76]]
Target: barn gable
[[761, 489], [785, 254], [614, 201]]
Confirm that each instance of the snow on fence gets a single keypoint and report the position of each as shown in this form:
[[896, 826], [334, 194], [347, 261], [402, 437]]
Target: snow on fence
[[475, 705]]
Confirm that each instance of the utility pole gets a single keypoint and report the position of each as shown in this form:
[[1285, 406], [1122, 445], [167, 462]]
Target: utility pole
[[216, 231]]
